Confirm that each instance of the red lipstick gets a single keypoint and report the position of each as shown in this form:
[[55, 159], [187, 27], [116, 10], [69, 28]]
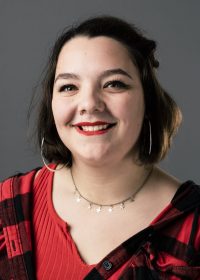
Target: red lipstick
[[90, 123], [79, 129]]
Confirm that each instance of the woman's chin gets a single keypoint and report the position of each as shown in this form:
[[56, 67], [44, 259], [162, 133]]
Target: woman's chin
[[94, 158]]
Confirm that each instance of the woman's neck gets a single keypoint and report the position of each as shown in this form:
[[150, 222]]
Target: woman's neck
[[108, 184]]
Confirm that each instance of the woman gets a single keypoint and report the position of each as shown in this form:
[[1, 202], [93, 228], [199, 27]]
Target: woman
[[102, 209]]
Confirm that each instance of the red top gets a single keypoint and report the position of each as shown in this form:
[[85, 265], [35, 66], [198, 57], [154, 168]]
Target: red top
[[169, 248], [56, 254]]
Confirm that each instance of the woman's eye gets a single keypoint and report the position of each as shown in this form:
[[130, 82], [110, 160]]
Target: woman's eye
[[67, 88], [116, 85]]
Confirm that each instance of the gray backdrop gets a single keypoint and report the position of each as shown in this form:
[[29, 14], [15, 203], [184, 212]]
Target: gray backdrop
[[27, 31]]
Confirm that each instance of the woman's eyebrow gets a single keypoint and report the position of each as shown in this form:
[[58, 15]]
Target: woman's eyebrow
[[110, 72], [104, 74], [67, 76]]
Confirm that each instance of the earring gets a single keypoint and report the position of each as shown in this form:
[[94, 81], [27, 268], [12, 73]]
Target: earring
[[43, 159], [150, 137]]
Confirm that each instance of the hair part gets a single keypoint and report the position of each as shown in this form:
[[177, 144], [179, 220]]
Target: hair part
[[160, 109]]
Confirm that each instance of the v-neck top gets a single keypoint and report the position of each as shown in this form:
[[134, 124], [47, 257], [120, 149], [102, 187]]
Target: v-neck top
[[168, 247]]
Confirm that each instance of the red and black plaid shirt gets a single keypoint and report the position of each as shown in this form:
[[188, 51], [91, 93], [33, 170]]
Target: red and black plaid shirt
[[168, 249]]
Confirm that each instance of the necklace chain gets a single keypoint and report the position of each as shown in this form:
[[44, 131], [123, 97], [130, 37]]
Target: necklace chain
[[99, 207]]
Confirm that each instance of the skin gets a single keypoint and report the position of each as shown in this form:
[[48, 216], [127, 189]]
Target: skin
[[104, 166], [106, 155], [99, 97]]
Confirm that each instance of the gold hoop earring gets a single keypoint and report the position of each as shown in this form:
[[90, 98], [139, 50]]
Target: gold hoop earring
[[43, 159]]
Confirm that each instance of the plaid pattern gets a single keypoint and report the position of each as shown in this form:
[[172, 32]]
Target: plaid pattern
[[16, 262], [168, 249]]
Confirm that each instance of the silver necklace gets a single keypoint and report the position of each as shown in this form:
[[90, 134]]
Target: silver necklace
[[99, 207]]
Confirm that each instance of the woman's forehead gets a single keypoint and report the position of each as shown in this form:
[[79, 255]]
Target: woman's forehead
[[82, 41], [87, 53]]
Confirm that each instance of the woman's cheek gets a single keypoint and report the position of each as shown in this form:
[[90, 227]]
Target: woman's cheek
[[63, 112]]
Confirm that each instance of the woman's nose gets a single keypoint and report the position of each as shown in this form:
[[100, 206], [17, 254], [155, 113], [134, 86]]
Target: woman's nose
[[91, 101]]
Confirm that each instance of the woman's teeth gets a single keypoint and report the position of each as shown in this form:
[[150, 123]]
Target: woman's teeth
[[94, 128]]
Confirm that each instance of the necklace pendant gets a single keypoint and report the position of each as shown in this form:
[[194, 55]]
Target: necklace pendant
[[78, 198], [122, 205], [90, 206], [110, 209], [98, 209]]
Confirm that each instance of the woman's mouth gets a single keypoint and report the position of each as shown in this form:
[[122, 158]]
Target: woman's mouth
[[96, 128]]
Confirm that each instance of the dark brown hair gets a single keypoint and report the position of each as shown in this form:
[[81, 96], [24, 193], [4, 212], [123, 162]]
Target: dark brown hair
[[160, 109]]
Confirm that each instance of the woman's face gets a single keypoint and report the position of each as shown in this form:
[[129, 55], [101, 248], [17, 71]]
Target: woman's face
[[98, 100]]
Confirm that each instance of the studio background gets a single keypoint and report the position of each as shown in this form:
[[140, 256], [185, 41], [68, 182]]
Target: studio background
[[28, 30]]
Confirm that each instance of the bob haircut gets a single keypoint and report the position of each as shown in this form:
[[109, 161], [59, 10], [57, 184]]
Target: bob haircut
[[160, 109]]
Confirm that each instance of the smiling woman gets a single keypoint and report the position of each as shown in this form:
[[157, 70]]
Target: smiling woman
[[87, 94], [104, 123]]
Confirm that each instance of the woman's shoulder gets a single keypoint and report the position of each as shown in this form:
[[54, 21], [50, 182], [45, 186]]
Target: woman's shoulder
[[31, 174], [181, 194], [21, 175], [170, 182], [18, 183]]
